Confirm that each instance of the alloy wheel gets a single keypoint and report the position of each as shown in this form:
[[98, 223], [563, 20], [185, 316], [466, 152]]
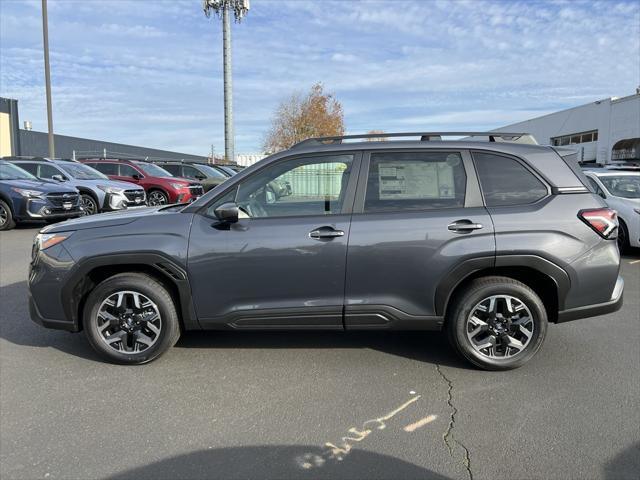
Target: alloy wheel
[[4, 215], [89, 206], [157, 198], [129, 322], [500, 326]]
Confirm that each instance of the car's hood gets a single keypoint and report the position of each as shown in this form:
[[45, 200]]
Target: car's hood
[[39, 185], [120, 217], [108, 183]]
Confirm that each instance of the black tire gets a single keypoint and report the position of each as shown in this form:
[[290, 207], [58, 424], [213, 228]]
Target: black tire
[[466, 302], [147, 287], [89, 204], [623, 237], [157, 197], [6, 216]]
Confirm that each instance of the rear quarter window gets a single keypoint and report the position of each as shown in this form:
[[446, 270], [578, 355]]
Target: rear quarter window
[[506, 181], [106, 168]]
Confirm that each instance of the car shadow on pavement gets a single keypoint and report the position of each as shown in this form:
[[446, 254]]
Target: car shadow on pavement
[[16, 326], [432, 347], [278, 462], [625, 465]]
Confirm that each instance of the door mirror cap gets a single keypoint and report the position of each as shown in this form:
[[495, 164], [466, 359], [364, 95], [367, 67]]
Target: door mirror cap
[[135, 176], [227, 212], [58, 178]]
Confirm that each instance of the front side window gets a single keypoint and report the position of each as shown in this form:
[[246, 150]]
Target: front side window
[[48, 171], [152, 170], [505, 181], [415, 181], [300, 187], [128, 171], [190, 172]]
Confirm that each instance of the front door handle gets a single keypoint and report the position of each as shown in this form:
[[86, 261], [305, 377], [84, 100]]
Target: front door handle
[[325, 232], [464, 226]]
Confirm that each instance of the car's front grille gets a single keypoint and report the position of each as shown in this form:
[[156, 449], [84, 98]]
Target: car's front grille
[[59, 199], [132, 195], [196, 190]]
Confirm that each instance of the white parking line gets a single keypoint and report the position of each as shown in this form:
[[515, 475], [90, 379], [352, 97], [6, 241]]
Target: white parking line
[[634, 262]]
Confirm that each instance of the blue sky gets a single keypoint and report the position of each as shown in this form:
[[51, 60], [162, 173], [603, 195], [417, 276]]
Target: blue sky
[[148, 72]]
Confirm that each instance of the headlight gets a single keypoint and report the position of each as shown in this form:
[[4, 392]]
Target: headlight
[[29, 193], [111, 190], [46, 240], [178, 186]]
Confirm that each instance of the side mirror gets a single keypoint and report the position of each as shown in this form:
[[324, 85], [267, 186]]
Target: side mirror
[[601, 193], [57, 177], [227, 212], [200, 177]]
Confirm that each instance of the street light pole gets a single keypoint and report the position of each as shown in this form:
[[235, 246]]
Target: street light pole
[[229, 138], [223, 8], [47, 78]]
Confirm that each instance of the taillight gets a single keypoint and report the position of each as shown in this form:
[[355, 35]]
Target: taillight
[[603, 220]]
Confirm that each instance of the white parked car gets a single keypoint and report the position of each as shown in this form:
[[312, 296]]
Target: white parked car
[[621, 190]]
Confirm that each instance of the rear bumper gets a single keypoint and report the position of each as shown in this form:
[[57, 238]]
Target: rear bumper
[[610, 306]]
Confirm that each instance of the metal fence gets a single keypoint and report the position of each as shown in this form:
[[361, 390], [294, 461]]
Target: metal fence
[[313, 181]]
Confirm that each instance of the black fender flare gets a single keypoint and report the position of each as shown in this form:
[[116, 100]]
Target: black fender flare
[[470, 266], [78, 281]]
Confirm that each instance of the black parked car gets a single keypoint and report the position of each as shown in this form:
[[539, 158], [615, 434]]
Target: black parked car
[[25, 197], [488, 240]]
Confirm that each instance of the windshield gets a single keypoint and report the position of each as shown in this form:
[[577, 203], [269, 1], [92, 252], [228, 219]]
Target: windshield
[[153, 170], [82, 172], [212, 172], [9, 171], [625, 186]]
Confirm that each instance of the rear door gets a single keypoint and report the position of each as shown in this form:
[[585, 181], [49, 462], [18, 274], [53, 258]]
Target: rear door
[[418, 225]]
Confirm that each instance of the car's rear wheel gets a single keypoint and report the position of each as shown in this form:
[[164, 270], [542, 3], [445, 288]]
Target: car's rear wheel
[[157, 197], [6, 217], [623, 236], [497, 323], [89, 205], [130, 318]]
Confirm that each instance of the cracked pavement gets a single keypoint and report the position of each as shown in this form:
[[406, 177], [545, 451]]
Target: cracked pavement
[[265, 405]]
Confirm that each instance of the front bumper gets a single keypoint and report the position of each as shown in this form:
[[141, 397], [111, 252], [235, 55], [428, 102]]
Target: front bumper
[[587, 311], [38, 318], [126, 199], [42, 209]]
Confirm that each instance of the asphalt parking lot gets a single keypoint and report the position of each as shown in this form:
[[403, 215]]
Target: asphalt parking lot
[[316, 405]]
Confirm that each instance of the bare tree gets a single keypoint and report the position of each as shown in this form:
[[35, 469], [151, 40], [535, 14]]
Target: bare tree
[[297, 118]]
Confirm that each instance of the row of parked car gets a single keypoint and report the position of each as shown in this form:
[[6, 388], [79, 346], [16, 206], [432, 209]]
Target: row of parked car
[[57, 189]]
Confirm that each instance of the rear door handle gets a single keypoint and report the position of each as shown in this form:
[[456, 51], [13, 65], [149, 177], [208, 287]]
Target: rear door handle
[[325, 232], [464, 226]]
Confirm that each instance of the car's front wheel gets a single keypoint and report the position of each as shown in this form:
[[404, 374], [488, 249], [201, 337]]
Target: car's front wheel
[[497, 323], [130, 318], [157, 197], [6, 217], [89, 205]]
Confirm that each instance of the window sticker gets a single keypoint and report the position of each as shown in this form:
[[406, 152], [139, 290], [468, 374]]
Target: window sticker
[[415, 180]]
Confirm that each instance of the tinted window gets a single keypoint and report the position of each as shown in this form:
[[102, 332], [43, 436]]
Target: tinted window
[[48, 171], [128, 171], [106, 168], [9, 171], [32, 168], [505, 181], [303, 186], [190, 172], [415, 181], [173, 169]]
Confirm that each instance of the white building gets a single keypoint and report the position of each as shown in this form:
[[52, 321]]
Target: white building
[[601, 131], [247, 159]]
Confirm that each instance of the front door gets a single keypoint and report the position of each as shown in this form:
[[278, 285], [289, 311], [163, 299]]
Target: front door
[[418, 224], [283, 264]]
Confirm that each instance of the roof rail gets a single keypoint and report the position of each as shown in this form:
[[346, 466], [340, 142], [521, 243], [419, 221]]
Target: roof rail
[[424, 137]]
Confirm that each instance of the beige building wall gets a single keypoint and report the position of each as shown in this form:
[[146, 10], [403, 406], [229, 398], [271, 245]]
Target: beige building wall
[[5, 134]]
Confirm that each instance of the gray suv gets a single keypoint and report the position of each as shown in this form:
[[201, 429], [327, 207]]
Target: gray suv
[[97, 192], [489, 238]]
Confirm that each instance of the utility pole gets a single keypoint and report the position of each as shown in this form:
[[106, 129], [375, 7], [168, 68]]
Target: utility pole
[[222, 8], [47, 78]]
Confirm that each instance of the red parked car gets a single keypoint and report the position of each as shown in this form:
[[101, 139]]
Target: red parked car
[[162, 188]]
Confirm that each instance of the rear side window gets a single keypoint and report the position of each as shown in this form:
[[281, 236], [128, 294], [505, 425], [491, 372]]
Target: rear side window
[[32, 168], [415, 181], [505, 181], [172, 169], [106, 168]]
